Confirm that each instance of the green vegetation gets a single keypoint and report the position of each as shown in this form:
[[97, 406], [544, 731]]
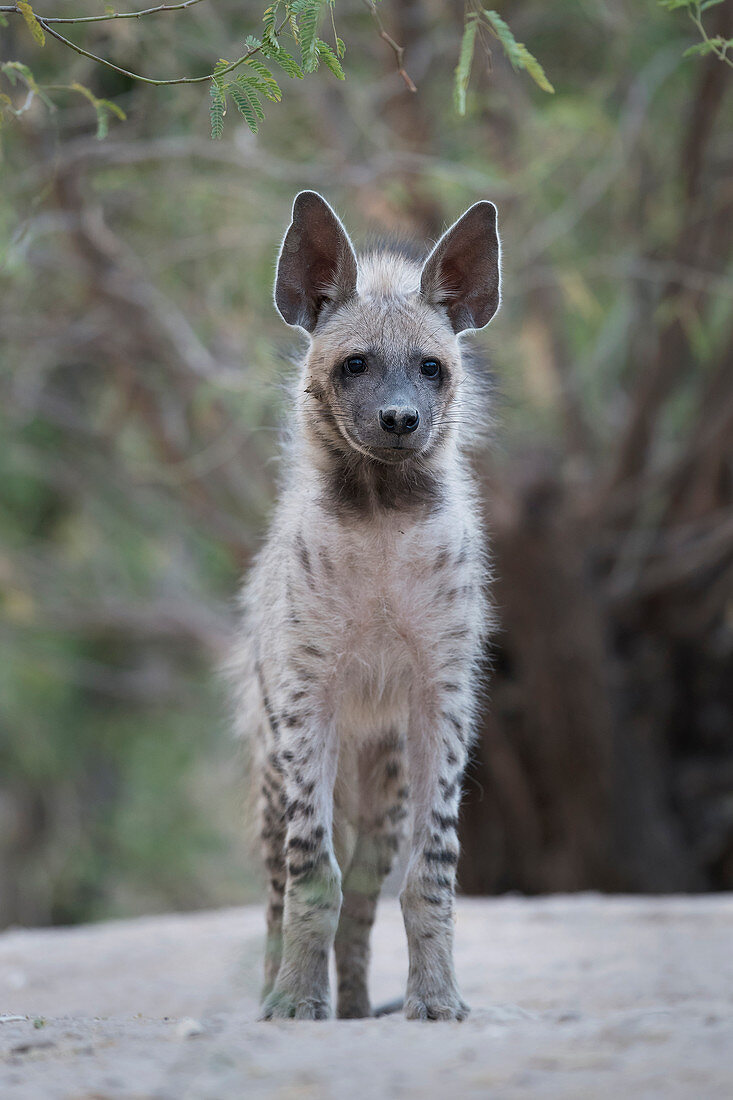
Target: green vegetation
[[142, 368]]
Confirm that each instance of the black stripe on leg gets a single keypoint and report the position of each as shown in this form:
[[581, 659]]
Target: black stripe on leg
[[298, 870], [443, 855]]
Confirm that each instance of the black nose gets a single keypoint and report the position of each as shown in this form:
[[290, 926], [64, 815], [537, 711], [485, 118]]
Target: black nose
[[399, 420]]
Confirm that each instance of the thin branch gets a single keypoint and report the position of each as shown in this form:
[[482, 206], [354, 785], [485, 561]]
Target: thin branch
[[720, 51], [11, 9], [146, 79], [399, 51]]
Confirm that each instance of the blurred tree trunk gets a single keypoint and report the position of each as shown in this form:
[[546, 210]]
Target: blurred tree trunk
[[596, 760]]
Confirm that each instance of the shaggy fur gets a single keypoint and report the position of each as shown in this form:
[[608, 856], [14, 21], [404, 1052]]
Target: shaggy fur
[[364, 617]]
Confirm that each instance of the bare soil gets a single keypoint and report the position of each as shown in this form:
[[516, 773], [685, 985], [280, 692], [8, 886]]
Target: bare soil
[[582, 996]]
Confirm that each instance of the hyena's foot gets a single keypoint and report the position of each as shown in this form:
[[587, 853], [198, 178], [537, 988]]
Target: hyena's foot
[[353, 1004], [282, 1004], [437, 1004]]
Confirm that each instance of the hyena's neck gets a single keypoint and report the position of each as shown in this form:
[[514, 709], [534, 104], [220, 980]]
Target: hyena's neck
[[353, 486]]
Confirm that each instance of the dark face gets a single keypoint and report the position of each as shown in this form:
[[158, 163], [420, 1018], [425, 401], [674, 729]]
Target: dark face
[[390, 404]]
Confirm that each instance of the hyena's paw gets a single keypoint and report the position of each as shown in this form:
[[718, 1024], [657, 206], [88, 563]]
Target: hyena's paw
[[283, 1005], [441, 1005], [354, 1007]]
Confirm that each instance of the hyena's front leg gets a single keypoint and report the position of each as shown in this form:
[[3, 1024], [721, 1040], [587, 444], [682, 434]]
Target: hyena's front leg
[[382, 810], [437, 757], [273, 832], [313, 892]]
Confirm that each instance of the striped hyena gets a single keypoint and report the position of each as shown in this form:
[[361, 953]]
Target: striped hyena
[[364, 615]]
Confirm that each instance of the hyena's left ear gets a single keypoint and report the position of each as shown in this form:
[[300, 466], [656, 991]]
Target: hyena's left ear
[[462, 272], [317, 265]]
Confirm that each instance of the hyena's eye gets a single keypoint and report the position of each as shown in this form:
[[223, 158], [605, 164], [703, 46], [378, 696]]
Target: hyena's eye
[[355, 365], [430, 368]]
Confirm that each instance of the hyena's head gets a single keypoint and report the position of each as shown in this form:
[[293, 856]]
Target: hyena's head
[[384, 371]]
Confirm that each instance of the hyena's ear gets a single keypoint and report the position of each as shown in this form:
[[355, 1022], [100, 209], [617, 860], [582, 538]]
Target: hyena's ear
[[462, 272], [317, 265]]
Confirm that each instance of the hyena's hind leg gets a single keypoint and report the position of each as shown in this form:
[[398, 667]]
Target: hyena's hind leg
[[382, 811], [273, 832]]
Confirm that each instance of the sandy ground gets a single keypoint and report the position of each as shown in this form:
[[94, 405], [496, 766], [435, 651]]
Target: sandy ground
[[581, 997]]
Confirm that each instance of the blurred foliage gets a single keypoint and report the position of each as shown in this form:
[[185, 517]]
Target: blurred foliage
[[296, 21], [142, 369]]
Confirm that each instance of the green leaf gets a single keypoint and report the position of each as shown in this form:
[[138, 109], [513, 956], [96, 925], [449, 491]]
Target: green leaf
[[102, 107], [673, 5], [15, 69], [285, 60], [31, 22], [217, 109], [102, 122], [248, 105], [114, 109], [254, 84], [517, 53], [269, 19], [3, 20], [329, 59], [700, 49], [269, 85], [10, 68], [709, 4], [221, 64], [310, 11], [462, 73]]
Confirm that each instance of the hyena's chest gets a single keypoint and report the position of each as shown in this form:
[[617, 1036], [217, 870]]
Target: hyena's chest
[[387, 609]]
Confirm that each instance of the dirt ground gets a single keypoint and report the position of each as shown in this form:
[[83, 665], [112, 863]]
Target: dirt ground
[[580, 996]]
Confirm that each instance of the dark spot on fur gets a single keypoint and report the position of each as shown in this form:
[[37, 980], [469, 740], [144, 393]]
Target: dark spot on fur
[[454, 721], [274, 761], [393, 742], [440, 561], [441, 856], [448, 789], [271, 717], [326, 563], [460, 590], [304, 843], [304, 556], [299, 807], [298, 870]]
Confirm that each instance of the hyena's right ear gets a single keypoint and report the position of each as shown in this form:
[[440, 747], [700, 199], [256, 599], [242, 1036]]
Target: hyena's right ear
[[317, 264]]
